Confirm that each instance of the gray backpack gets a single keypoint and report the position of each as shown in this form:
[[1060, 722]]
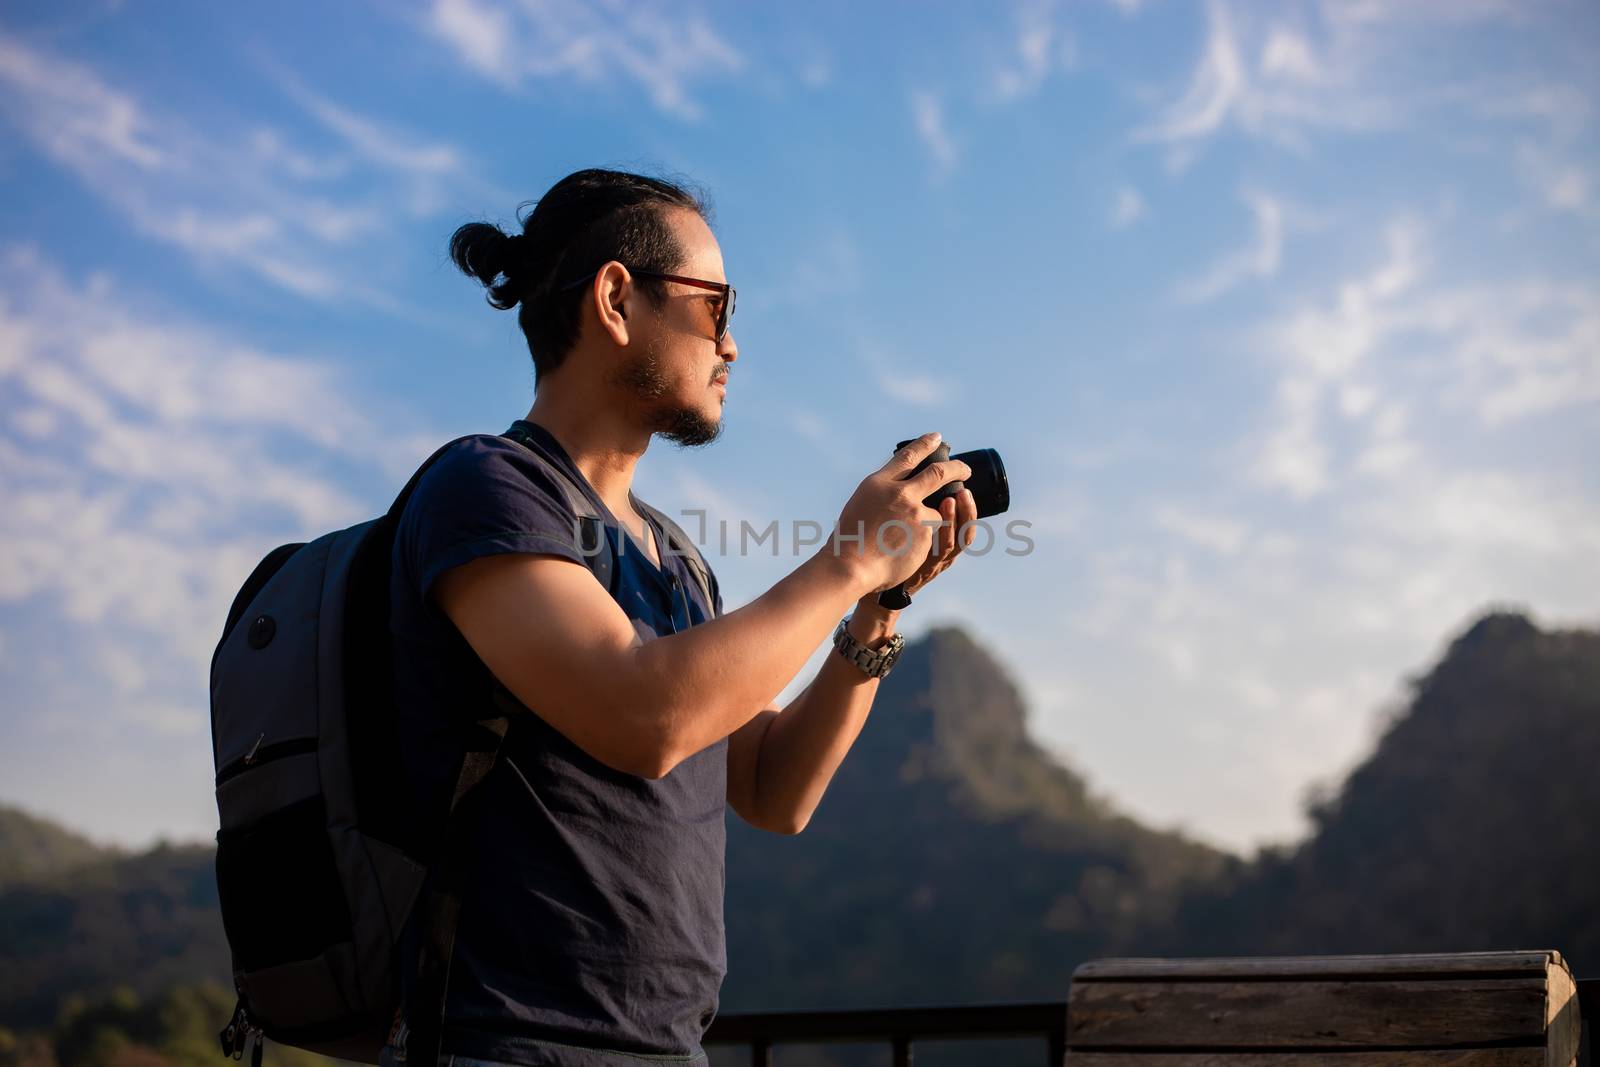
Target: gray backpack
[[318, 872]]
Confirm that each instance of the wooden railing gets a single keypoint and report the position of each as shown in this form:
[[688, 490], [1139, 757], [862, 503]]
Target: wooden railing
[[1487, 1009]]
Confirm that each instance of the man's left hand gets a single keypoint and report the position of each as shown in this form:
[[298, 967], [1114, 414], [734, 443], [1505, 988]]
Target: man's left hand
[[959, 515]]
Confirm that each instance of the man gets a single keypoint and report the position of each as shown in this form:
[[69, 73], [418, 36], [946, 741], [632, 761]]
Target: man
[[590, 931]]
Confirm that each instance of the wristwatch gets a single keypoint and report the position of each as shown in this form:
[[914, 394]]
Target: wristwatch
[[874, 662]]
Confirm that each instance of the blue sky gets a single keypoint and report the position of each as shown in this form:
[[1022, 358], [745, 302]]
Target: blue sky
[[1285, 317]]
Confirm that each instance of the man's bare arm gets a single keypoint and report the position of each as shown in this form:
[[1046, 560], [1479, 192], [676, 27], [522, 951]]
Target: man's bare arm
[[780, 764], [744, 763], [558, 641], [639, 707]]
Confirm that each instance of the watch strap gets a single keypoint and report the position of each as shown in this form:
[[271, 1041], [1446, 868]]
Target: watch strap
[[874, 662], [896, 599]]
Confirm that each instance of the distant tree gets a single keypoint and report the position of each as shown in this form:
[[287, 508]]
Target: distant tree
[[26, 1050]]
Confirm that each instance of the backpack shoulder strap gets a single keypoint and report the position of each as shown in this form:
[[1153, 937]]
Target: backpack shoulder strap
[[681, 545], [593, 545], [400, 501]]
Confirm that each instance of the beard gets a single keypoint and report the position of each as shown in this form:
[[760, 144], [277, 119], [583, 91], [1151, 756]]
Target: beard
[[644, 379]]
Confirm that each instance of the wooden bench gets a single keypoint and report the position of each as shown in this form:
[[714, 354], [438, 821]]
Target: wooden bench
[[1481, 1009]]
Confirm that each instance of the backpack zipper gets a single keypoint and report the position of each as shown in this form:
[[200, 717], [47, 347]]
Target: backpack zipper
[[260, 754], [241, 1033]]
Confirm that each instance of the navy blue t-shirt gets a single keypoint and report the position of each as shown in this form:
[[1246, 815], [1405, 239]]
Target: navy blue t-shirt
[[591, 929]]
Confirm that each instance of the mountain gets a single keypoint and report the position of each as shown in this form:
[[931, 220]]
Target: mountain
[[31, 847], [1469, 827], [952, 860], [140, 923]]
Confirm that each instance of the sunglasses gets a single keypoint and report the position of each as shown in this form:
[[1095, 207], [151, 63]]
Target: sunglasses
[[724, 307]]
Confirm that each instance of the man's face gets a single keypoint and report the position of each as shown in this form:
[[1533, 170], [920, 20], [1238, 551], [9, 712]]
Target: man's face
[[675, 370]]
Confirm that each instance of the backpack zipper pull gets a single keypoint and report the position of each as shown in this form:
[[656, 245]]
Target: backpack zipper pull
[[230, 1033], [252, 1033], [246, 1032]]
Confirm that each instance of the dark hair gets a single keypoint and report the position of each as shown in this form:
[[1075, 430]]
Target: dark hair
[[586, 220]]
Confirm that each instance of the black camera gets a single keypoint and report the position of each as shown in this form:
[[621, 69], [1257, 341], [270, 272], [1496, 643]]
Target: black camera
[[990, 491]]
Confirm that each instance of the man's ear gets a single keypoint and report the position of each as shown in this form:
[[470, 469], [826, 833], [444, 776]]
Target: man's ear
[[612, 292]]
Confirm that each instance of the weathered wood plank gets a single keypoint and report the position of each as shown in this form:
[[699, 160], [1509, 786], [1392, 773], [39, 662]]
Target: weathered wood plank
[[1532, 961], [1478, 1057], [1565, 1024], [1287, 1014]]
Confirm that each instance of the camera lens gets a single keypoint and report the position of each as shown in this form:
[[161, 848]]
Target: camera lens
[[990, 489]]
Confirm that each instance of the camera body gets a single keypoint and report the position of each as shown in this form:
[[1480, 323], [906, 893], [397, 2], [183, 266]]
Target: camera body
[[990, 491]]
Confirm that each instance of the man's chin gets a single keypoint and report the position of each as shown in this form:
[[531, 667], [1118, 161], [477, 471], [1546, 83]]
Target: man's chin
[[687, 426]]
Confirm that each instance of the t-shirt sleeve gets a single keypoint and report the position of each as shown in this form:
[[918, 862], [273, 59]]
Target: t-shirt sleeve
[[483, 500]]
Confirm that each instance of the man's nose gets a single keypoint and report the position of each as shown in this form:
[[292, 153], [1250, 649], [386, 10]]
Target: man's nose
[[729, 349]]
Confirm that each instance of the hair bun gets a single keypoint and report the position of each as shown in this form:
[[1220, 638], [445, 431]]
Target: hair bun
[[495, 258]]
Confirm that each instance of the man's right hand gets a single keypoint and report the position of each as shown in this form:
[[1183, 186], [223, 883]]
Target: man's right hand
[[886, 509]]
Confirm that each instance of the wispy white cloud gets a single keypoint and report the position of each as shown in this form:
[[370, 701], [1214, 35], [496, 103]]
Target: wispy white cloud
[[1549, 125], [927, 115], [810, 425], [823, 438], [1040, 47], [251, 198], [1564, 110], [1260, 259], [827, 265], [1287, 55], [1518, 349], [75, 116], [663, 49], [481, 33], [907, 386], [1216, 88], [1379, 16], [1321, 350], [423, 172], [1393, 347], [378, 144], [1129, 207], [1282, 73], [146, 474], [1222, 534], [1559, 182], [1481, 512], [816, 72]]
